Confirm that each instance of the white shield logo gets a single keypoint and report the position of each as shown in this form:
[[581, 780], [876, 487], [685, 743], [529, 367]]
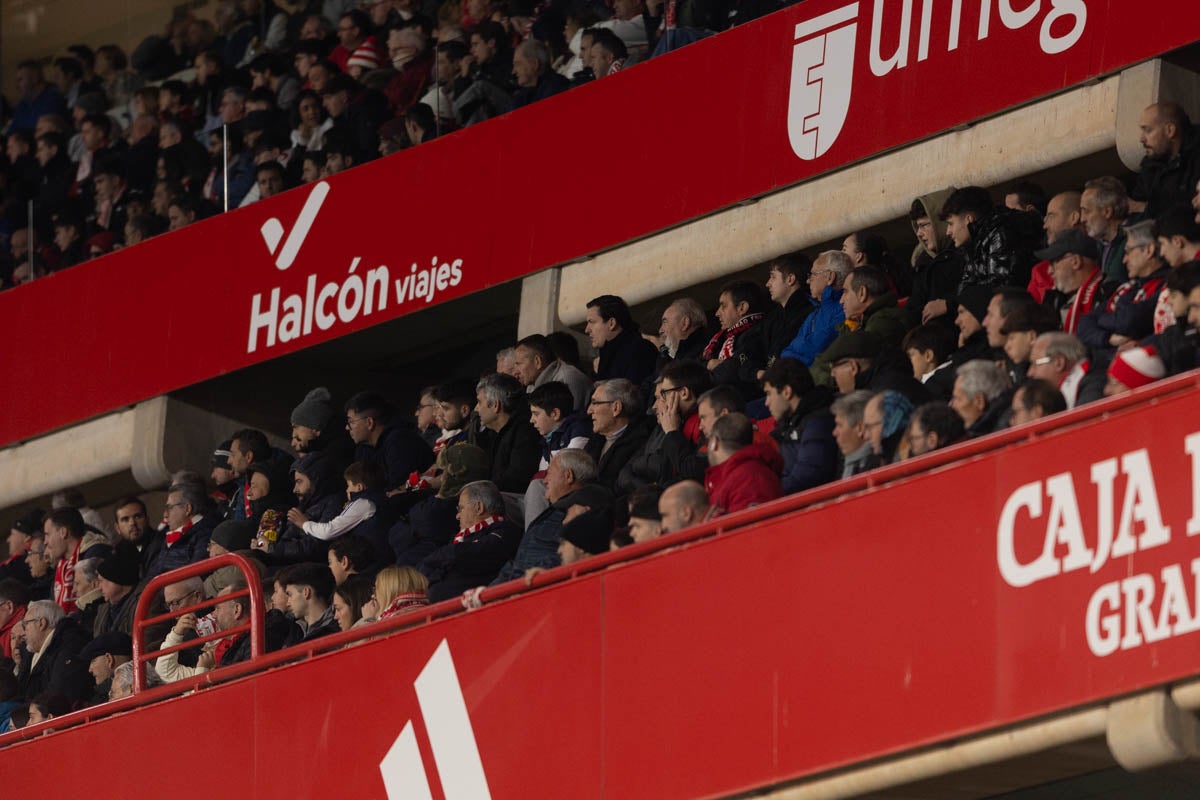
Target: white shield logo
[[822, 76]]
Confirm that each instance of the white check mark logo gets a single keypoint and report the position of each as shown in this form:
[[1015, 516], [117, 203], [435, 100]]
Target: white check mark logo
[[272, 229]]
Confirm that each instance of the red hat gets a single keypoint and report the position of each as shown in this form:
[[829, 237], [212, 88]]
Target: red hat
[[1137, 366]]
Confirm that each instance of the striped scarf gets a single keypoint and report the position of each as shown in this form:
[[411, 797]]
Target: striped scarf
[[724, 349], [477, 527]]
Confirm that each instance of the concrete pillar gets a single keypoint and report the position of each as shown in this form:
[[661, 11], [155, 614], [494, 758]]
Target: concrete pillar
[[1151, 82], [539, 303], [1149, 730]]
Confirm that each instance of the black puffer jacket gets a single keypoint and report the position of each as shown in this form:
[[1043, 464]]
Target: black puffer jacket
[[1000, 252]]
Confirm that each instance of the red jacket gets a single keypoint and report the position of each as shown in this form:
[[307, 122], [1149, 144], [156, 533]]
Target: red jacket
[[748, 477], [6, 631]]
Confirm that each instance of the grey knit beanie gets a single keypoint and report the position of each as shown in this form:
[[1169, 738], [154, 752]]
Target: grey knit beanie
[[315, 410]]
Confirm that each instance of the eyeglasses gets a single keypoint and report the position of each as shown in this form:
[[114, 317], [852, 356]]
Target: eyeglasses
[[594, 402], [1041, 362], [662, 393], [351, 421], [174, 505], [179, 602]]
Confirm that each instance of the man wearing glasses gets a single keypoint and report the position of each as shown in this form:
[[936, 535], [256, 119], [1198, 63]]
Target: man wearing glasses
[[820, 328], [49, 657]]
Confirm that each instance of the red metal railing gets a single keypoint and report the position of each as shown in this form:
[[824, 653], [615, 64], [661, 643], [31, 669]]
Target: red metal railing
[[254, 626], [841, 491]]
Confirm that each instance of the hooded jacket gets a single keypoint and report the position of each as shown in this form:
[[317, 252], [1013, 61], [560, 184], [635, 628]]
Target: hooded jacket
[[748, 477], [935, 277]]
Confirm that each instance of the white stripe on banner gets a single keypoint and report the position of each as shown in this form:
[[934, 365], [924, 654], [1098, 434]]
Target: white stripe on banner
[[450, 733]]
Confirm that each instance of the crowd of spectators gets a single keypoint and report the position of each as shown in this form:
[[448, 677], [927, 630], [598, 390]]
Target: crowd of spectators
[[1003, 314], [110, 149]]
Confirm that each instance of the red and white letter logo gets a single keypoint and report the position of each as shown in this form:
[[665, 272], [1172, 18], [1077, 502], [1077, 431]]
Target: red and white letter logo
[[822, 74], [272, 229]]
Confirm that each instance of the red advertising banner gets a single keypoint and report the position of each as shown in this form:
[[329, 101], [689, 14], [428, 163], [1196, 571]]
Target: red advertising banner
[[801, 92], [815, 639]]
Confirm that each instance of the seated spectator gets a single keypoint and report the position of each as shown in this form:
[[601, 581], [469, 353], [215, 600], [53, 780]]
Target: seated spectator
[[1021, 330], [737, 353], [535, 79], [849, 433], [1004, 302], [88, 596], [69, 239], [586, 534], [431, 523], [671, 451], [1169, 172], [608, 53], [683, 505], [47, 706], [936, 263], [998, 243], [1104, 210], [20, 537], [118, 579], [354, 39], [485, 541], [356, 122], [514, 447], [1034, 399], [35, 97], [885, 421], [348, 600], [455, 400], [349, 556], [742, 474], [1063, 360], [645, 519], [929, 348], [804, 425], [1128, 314], [858, 360], [486, 90], [14, 599], [619, 428], [787, 285], [1177, 344], [1132, 369], [103, 655], [973, 340], [536, 365], [279, 631], [567, 484], [682, 332], [1077, 276], [309, 589], [621, 351], [1178, 234], [69, 541], [1062, 214], [551, 413], [399, 590], [270, 495], [316, 429], [395, 451], [364, 499], [41, 574], [49, 656], [820, 328], [933, 426], [980, 397], [868, 304], [230, 536]]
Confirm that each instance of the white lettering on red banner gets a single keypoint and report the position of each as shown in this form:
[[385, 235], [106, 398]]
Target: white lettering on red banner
[[1121, 614]]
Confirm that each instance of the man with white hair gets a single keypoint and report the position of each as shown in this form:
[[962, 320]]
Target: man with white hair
[[682, 331], [535, 79], [1063, 360], [409, 53], [820, 328], [567, 482], [49, 657], [980, 396]]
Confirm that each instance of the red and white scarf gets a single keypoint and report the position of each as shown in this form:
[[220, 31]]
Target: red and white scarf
[[477, 527], [1143, 293], [724, 349], [64, 581], [1082, 303], [177, 534], [403, 602]]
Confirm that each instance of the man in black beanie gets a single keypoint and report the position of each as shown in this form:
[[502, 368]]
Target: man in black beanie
[[118, 577], [310, 418]]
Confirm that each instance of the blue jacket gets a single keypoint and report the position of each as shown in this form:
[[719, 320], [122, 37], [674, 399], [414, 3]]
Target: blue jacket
[[819, 328], [810, 453]]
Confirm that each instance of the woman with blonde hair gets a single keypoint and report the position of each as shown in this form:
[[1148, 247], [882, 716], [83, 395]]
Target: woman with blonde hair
[[400, 589]]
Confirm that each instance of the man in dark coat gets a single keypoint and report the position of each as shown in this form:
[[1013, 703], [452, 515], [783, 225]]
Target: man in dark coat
[[143, 543], [568, 482], [535, 79], [191, 525], [804, 425], [998, 243], [1171, 168], [118, 579], [620, 428], [397, 452], [485, 541], [56, 641], [787, 283], [515, 450], [738, 352], [621, 350]]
